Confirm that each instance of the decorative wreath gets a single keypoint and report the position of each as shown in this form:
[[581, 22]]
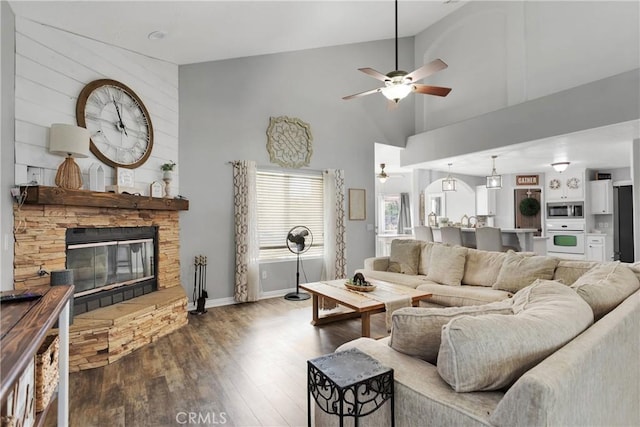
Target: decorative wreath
[[529, 206]]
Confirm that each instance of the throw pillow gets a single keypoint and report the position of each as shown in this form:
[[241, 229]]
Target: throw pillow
[[416, 331], [404, 256], [605, 286], [492, 351], [425, 258], [519, 270], [482, 267], [568, 271], [446, 264]]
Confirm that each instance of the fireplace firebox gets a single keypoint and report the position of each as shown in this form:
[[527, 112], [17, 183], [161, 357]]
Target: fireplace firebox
[[111, 265]]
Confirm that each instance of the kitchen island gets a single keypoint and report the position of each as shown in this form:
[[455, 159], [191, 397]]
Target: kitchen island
[[518, 238]]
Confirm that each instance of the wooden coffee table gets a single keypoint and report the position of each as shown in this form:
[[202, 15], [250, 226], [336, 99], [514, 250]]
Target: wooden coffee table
[[362, 304]]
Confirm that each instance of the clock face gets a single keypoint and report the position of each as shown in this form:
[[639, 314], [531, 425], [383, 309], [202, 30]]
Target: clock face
[[118, 122]]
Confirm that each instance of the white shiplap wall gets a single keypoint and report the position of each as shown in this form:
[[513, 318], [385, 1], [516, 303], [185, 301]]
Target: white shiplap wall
[[52, 67]]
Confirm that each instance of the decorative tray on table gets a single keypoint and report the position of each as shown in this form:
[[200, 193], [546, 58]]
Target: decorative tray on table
[[359, 284]]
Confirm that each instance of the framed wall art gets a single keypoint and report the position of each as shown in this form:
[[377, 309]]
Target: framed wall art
[[357, 204]]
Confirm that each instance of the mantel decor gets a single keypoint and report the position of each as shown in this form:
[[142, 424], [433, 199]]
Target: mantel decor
[[289, 142]]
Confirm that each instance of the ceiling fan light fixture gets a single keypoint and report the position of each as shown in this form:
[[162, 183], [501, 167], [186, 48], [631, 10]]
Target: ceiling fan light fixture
[[396, 91], [560, 166], [382, 176], [494, 181], [449, 183]]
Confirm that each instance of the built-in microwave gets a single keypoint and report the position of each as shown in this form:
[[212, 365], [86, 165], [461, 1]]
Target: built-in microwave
[[564, 210]]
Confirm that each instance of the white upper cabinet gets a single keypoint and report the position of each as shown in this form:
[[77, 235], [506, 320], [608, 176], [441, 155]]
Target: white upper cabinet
[[565, 186], [601, 194], [485, 201]]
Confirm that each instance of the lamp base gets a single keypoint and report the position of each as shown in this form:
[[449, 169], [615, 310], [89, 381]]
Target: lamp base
[[69, 175]]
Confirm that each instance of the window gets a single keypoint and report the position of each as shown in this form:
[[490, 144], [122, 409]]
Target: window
[[286, 200], [389, 212]]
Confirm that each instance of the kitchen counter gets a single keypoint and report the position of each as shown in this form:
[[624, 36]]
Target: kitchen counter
[[521, 238]]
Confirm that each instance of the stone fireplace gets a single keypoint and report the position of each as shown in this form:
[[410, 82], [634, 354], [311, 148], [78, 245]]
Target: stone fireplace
[[142, 298]]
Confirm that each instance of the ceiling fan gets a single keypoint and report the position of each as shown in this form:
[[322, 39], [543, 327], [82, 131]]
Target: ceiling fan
[[399, 84], [383, 176]]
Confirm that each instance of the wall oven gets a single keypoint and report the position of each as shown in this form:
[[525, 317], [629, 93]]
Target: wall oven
[[563, 210], [566, 237]]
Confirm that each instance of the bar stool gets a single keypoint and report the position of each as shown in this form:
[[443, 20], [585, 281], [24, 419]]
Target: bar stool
[[423, 233], [451, 235], [489, 239]]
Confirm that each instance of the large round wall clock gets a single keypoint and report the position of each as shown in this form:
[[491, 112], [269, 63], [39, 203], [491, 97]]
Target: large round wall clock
[[118, 122]]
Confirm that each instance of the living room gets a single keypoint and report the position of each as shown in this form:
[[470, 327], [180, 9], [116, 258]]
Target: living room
[[208, 114]]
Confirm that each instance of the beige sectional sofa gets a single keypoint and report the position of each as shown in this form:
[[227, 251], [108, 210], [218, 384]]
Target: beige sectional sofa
[[508, 339]]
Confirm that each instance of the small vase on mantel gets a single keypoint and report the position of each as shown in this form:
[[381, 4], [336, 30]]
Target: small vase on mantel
[[167, 176]]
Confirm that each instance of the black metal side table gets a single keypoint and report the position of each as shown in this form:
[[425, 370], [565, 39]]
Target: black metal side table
[[349, 384]]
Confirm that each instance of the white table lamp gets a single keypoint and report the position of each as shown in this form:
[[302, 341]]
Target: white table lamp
[[71, 141]]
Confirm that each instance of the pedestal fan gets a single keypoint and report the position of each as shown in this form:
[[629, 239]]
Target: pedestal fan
[[299, 240]]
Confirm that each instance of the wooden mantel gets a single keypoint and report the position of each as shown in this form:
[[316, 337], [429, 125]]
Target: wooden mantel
[[40, 195]]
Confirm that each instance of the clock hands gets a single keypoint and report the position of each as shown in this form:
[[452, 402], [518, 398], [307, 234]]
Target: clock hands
[[120, 123]]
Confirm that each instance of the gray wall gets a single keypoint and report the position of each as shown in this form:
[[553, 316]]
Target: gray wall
[[224, 113], [7, 100]]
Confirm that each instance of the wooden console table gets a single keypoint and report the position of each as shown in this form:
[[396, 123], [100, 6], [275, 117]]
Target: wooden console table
[[23, 328]]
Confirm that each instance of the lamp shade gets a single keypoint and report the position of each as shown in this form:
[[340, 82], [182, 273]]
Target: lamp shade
[[68, 140]]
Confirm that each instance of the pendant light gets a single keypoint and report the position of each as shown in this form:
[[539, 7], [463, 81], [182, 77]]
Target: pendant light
[[382, 176], [449, 183], [494, 181]]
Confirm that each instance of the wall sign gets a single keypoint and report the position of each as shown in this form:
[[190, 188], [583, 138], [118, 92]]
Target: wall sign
[[527, 179]]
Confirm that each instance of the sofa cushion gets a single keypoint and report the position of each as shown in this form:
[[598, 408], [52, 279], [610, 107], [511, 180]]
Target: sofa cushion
[[404, 256], [605, 286], [520, 270], [482, 267], [446, 264], [635, 267], [569, 270], [409, 280], [416, 331], [425, 258], [457, 296], [491, 351]]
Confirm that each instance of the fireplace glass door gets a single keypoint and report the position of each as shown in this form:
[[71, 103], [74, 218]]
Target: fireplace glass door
[[106, 265]]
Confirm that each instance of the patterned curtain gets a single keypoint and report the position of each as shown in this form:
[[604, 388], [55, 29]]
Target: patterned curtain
[[247, 283], [404, 217], [335, 262]]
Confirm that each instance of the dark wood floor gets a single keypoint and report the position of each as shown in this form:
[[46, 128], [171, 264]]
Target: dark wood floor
[[243, 364]]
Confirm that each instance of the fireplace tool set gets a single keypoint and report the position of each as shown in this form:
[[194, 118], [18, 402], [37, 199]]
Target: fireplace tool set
[[200, 285]]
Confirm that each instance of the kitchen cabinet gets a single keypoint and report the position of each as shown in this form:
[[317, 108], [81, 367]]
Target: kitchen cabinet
[[596, 247], [485, 201], [601, 195], [565, 186]]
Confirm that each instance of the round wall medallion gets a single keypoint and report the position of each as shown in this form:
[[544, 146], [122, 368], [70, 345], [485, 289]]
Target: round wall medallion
[[573, 183], [554, 184], [289, 142]]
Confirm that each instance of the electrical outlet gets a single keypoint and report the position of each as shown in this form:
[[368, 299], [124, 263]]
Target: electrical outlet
[[264, 274]]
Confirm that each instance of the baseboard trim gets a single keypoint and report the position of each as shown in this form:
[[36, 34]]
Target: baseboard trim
[[219, 302]]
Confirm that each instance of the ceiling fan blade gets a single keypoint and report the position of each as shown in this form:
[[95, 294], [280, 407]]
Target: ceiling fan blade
[[426, 70], [375, 74], [432, 90], [357, 95]]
